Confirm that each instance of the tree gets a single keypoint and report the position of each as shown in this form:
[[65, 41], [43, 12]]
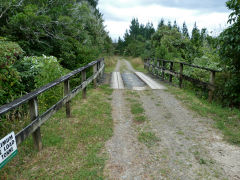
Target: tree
[[169, 25], [196, 42], [168, 43], [161, 23], [176, 26], [136, 40], [134, 28], [185, 30], [229, 41]]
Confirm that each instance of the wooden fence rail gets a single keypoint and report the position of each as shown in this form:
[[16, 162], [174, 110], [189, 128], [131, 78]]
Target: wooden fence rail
[[31, 99], [159, 68]]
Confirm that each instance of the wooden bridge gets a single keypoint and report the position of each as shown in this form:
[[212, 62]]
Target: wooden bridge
[[157, 67]]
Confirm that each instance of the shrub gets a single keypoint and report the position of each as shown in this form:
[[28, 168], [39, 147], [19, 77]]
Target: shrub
[[46, 70], [10, 80]]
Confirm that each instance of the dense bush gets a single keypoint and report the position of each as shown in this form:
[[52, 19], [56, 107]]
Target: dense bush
[[45, 70], [10, 80]]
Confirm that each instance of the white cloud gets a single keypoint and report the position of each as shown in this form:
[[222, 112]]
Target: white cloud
[[118, 16]]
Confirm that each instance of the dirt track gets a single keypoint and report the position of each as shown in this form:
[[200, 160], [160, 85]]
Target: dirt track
[[188, 147]]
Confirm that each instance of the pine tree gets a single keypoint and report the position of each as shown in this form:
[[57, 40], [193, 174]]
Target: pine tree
[[203, 34], [175, 26], [134, 28], [185, 30], [161, 23], [196, 36], [169, 25]]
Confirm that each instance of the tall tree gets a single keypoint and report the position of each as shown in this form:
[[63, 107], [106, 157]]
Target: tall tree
[[169, 25], [185, 30], [196, 36], [134, 28], [161, 23], [176, 26], [230, 52]]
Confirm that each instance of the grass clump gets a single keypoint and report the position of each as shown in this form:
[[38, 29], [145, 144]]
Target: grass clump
[[137, 109], [148, 138], [140, 118]]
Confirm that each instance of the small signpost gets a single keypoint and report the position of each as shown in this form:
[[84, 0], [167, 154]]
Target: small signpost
[[8, 149]]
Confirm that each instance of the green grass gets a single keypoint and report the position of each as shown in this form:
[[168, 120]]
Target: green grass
[[148, 138], [137, 109], [73, 147], [226, 119], [140, 118]]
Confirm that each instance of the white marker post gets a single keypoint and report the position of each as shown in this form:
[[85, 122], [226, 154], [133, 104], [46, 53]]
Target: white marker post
[[8, 149]]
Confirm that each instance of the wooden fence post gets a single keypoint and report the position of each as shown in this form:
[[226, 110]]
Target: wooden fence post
[[155, 67], [95, 80], [33, 107], [98, 67], [171, 68], [151, 61], [84, 77], [180, 75], [102, 64], [158, 65], [66, 92], [212, 88], [149, 64], [163, 68]]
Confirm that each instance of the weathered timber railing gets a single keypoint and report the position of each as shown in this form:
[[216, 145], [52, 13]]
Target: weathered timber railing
[[159, 67], [31, 98]]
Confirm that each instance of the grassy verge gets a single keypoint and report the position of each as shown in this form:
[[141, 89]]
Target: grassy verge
[[226, 119], [110, 63], [137, 63], [73, 147]]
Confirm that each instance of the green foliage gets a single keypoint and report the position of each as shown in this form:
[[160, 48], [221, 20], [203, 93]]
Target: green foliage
[[185, 30], [69, 30], [136, 41], [230, 53], [167, 43], [10, 81], [48, 69]]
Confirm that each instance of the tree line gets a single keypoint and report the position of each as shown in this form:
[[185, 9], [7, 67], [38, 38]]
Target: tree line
[[171, 42]]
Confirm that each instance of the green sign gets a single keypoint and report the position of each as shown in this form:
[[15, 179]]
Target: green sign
[[8, 149]]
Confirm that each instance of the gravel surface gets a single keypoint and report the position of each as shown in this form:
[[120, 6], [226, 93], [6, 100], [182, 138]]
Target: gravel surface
[[188, 147]]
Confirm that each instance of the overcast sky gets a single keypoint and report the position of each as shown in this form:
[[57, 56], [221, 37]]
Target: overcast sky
[[117, 14]]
